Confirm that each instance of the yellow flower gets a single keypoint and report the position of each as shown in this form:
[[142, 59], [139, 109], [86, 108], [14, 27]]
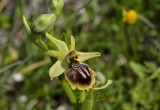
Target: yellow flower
[[78, 74], [129, 17]]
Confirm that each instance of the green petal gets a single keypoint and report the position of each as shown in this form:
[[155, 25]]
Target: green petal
[[57, 69], [61, 46], [58, 54], [105, 86], [83, 56], [72, 46]]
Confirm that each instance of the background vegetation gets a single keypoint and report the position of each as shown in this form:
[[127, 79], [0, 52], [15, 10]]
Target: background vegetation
[[130, 55]]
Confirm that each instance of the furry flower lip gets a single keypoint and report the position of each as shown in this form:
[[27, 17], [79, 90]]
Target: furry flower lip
[[78, 74]]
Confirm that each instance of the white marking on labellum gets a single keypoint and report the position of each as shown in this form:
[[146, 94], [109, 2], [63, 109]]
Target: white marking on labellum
[[82, 73], [79, 69], [85, 70]]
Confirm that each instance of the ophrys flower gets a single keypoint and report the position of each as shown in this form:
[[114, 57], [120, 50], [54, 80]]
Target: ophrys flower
[[78, 75]]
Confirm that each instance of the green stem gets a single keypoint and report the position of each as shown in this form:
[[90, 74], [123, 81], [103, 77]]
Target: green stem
[[131, 48], [66, 87], [88, 102], [64, 83], [68, 90], [79, 98]]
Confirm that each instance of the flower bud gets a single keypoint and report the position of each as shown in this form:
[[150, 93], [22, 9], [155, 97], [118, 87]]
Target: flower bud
[[44, 23], [57, 6]]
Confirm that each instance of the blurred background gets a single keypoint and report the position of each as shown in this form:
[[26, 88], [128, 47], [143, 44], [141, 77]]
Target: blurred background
[[130, 55]]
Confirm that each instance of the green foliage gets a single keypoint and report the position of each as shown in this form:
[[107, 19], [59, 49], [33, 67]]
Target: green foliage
[[135, 70], [4, 21]]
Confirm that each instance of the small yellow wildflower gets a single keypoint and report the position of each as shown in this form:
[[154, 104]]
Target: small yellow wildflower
[[129, 17]]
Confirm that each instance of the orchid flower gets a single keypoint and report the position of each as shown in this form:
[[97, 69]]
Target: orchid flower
[[69, 61]]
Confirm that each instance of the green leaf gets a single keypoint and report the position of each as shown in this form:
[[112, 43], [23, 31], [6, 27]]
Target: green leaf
[[151, 66], [33, 37], [4, 21], [56, 69], [61, 46], [9, 66], [58, 54], [26, 25], [72, 46], [138, 69], [83, 56]]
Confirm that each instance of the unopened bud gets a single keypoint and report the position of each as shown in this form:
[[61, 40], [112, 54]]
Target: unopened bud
[[44, 23], [57, 6]]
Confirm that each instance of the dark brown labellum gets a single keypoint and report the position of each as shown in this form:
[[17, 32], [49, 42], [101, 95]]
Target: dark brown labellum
[[79, 74]]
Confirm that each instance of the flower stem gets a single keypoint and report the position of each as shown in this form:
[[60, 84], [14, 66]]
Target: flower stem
[[88, 102], [68, 90], [66, 87], [131, 48]]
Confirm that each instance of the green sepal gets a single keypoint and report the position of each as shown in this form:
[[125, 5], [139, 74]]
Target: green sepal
[[105, 86], [33, 37], [61, 46], [58, 54], [57, 69], [83, 56]]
